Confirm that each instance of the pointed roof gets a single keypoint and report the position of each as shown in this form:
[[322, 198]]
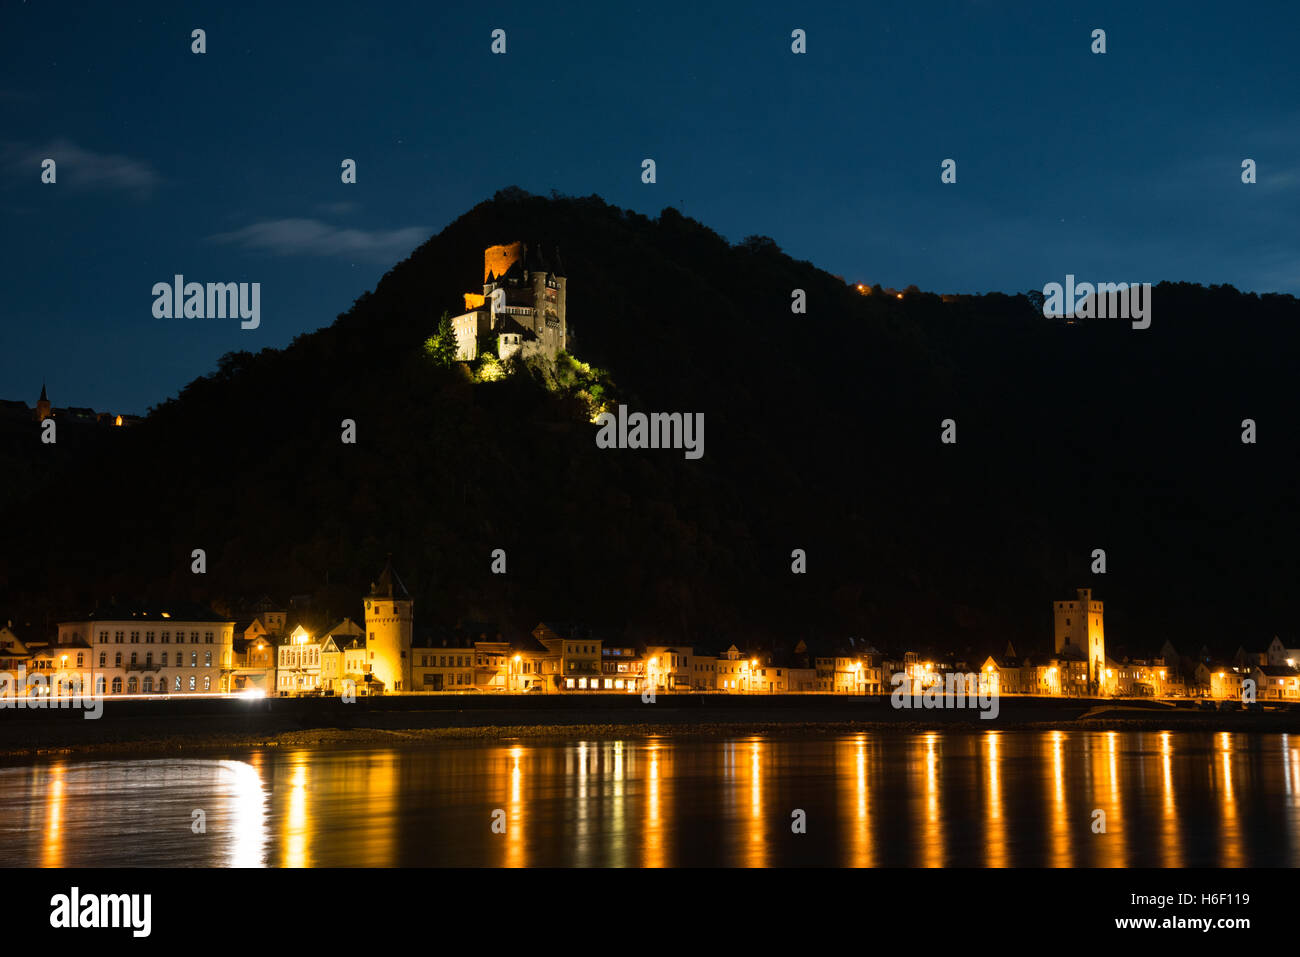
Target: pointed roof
[[557, 263], [43, 398], [389, 585]]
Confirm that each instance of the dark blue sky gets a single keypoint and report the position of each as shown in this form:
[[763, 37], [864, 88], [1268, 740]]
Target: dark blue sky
[[225, 166]]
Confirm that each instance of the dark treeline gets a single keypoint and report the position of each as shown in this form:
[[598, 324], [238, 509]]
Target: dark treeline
[[822, 433]]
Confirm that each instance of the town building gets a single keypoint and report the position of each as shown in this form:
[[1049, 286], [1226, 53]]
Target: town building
[[298, 664], [334, 642], [448, 667], [137, 649], [1278, 654], [1222, 680], [1276, 683], [622, 668], [849, 670], [668, 667]]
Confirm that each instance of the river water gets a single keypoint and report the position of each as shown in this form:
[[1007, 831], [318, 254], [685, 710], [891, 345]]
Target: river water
[[881, 799]]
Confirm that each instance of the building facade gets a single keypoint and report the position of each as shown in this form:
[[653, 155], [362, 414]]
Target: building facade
[[142, 650]]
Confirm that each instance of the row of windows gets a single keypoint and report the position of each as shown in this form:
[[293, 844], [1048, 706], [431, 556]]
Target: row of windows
[[441, 661], [147, 686], [148, 659], [458, 678], [611, 684], [165, 637], [294, 656]]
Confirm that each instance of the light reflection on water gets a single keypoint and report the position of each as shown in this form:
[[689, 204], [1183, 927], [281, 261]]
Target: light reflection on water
[[994, 799]]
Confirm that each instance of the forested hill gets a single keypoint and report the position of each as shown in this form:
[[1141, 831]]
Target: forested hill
[[822, 433]]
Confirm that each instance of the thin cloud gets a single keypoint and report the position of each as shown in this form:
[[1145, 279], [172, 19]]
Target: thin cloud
[[311, 237], [80, 168]]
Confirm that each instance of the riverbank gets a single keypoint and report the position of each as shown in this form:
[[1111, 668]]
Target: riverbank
[[208, 724]]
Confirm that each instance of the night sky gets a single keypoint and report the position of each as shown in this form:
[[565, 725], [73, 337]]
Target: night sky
[[226, 166]]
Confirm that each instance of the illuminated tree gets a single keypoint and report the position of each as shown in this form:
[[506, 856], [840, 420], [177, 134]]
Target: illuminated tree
[[441, 346]]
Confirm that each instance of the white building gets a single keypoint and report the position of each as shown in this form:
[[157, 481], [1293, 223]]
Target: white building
[[169, 649], [298, 663]]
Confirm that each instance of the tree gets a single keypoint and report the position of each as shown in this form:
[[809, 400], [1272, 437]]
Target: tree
[[441, 346]]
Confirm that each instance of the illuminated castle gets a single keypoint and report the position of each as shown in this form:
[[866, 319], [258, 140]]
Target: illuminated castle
[[521, 309]]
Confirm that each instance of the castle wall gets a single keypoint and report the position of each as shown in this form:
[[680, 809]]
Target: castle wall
[[468, 328]]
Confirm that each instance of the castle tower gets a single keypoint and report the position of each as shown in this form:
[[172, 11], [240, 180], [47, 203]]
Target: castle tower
[[498, 260], [388, 631], [1080, 633], [42, 406]]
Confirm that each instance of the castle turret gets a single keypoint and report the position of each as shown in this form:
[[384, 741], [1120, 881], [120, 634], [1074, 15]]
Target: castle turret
[[388, 631], [1080, 633], [42, 406]]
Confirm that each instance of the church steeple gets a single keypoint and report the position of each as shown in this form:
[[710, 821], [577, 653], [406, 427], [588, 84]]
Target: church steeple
[[42, 405]]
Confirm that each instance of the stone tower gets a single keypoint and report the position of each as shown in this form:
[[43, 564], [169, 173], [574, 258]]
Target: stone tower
[[42, 406], [388, 631], [1080, 633]]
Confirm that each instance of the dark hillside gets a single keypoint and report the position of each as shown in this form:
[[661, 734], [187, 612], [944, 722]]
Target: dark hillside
[[822, 432]]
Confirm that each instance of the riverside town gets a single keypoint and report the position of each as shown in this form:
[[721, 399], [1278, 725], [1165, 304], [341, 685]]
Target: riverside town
[[179, 650]]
